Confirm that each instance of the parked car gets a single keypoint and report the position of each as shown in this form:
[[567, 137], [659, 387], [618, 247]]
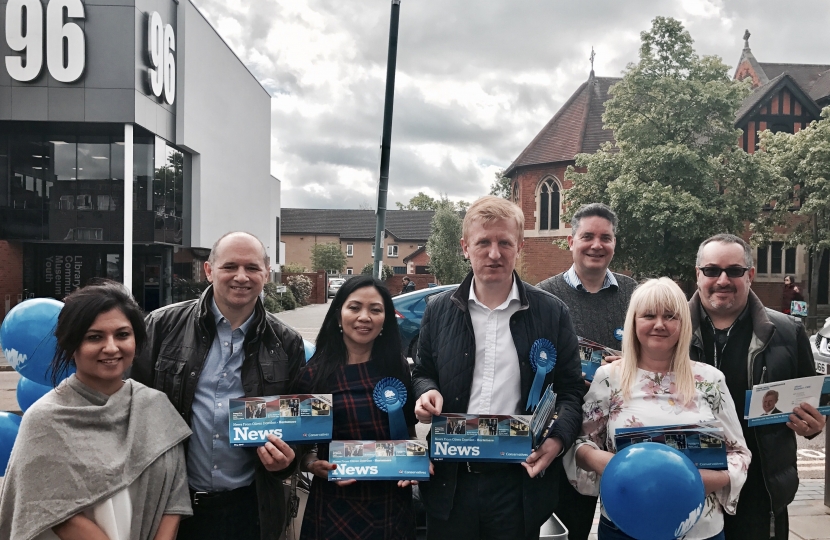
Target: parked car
[[335, 284], [820, 343], [409, 310]]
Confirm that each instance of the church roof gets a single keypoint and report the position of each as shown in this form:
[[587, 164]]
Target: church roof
[[576, 128]]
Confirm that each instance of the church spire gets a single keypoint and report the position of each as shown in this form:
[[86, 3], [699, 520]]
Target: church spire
[[591, 58]]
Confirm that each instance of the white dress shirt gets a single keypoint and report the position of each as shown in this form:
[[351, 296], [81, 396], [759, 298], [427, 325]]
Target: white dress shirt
[[497, 381]]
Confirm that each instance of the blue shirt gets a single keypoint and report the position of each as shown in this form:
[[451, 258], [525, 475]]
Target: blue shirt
[[573, 280], [212, 465]]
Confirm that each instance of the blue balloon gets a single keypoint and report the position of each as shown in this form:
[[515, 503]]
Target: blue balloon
[[28, 337], [9, 426], [309, 349], [28, 392], [652, 492]]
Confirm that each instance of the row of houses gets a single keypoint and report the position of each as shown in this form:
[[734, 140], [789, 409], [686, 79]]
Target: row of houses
[[354, 230], [785, 97]]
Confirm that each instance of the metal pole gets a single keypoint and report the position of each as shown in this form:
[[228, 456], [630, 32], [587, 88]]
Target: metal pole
[[127, 261], [386, 140]]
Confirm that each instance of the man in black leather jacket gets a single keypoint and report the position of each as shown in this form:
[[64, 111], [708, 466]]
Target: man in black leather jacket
[[203, 352], [474, 357], [751, 345]]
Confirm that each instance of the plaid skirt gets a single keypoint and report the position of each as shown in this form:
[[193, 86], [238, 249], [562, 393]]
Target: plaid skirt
[[377, 510]]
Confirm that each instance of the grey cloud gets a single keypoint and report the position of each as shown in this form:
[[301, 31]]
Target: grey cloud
[[497, 45]]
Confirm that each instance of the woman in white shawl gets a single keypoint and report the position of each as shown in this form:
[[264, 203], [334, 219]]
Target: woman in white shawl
[[97, 458]]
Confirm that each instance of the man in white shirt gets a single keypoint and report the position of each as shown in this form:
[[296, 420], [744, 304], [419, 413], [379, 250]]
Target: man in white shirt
[[474, 357]]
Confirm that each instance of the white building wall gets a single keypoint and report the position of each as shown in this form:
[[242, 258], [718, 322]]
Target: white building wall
[[223, 117]]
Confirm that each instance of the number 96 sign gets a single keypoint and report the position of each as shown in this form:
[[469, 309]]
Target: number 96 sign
[[30, 32]]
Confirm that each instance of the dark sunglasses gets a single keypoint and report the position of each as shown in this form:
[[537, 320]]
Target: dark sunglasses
[[716, 271]]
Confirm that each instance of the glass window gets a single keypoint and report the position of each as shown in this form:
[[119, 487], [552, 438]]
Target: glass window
[[776, 253], [94, 159], [548, 205], [349, 271], [789, 261], [392, 250], [399, 269], [761, 260], [349, 250]]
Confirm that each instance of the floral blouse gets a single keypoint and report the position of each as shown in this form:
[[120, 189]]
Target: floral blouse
[[652, 402]]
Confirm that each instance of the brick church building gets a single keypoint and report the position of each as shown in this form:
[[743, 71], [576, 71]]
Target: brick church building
[[785, 97]]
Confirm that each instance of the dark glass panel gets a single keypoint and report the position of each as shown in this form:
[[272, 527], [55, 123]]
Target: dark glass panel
[[761, 263], [544, 208], [554, 207], [789, 261], [776, 252]]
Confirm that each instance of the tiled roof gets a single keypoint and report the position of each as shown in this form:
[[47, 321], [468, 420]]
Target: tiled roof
[[804, 74], [414, 254], [356, 224], [763, 92], [576, 128]]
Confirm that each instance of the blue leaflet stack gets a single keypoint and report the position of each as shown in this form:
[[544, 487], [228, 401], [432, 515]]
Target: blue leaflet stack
[[379, 460], [295, 418], [486, 437], [704, 444]]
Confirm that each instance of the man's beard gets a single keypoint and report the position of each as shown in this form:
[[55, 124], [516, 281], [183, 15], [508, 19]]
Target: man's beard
[[726, 304]]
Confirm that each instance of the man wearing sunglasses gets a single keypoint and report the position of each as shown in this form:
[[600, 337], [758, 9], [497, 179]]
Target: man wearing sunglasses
[[751, 345]]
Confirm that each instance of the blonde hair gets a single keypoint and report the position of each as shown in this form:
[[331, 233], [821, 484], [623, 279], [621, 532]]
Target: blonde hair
[[659, 296], [490, 208]]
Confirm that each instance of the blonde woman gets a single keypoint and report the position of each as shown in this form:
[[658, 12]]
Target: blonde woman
[[656, 384]]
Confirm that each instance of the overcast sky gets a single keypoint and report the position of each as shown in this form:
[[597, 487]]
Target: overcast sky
[[476, 80]]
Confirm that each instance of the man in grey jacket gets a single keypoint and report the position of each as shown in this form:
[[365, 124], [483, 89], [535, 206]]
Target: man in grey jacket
[[751, 345], [201, 353], [597, 299]]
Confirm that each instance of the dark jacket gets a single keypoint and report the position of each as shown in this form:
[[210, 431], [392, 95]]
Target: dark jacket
[[179, 337], [779, 350], [446, 360]]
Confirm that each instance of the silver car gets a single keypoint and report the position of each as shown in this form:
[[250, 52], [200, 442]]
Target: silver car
[[334, 285], [820, 343]]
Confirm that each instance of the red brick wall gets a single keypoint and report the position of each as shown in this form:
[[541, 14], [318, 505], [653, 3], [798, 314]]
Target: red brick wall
[[319, 286], [542, 259], [11, 274]]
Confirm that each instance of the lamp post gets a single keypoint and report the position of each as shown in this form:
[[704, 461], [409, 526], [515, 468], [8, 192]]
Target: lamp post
[[386, 139]]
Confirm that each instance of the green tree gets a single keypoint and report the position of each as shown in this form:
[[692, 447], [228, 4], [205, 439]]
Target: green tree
[[801, 198], [328, 257], [447, 262], [677, 174], [387, 271], [501, 186], [293, 268], [422, 201]]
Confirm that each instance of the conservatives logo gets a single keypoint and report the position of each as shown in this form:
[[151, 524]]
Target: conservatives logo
[[253, 435], [447, 449]]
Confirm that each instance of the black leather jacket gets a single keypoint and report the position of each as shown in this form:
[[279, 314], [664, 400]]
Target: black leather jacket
[[446, 360], [179, 337], [779, 350]]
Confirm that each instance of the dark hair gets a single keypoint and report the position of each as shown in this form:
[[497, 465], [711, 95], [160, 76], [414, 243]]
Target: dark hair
[[726, 238], [791, 278], [331, 350], [80, 310], [594, 210]]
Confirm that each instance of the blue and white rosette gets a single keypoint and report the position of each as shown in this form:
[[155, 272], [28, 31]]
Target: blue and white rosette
[[542, 360], [390, 397]]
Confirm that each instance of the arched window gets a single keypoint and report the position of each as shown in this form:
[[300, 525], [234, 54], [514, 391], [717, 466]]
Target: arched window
[[548, 205]]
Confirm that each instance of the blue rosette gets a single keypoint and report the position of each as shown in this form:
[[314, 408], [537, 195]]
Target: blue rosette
[[390, 397], [542, 360]]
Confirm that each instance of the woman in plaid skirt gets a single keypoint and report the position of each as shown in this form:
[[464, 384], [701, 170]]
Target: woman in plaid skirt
[[358, 345]]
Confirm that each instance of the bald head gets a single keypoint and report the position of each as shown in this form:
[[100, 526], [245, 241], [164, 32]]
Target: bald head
[[214, 251]]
